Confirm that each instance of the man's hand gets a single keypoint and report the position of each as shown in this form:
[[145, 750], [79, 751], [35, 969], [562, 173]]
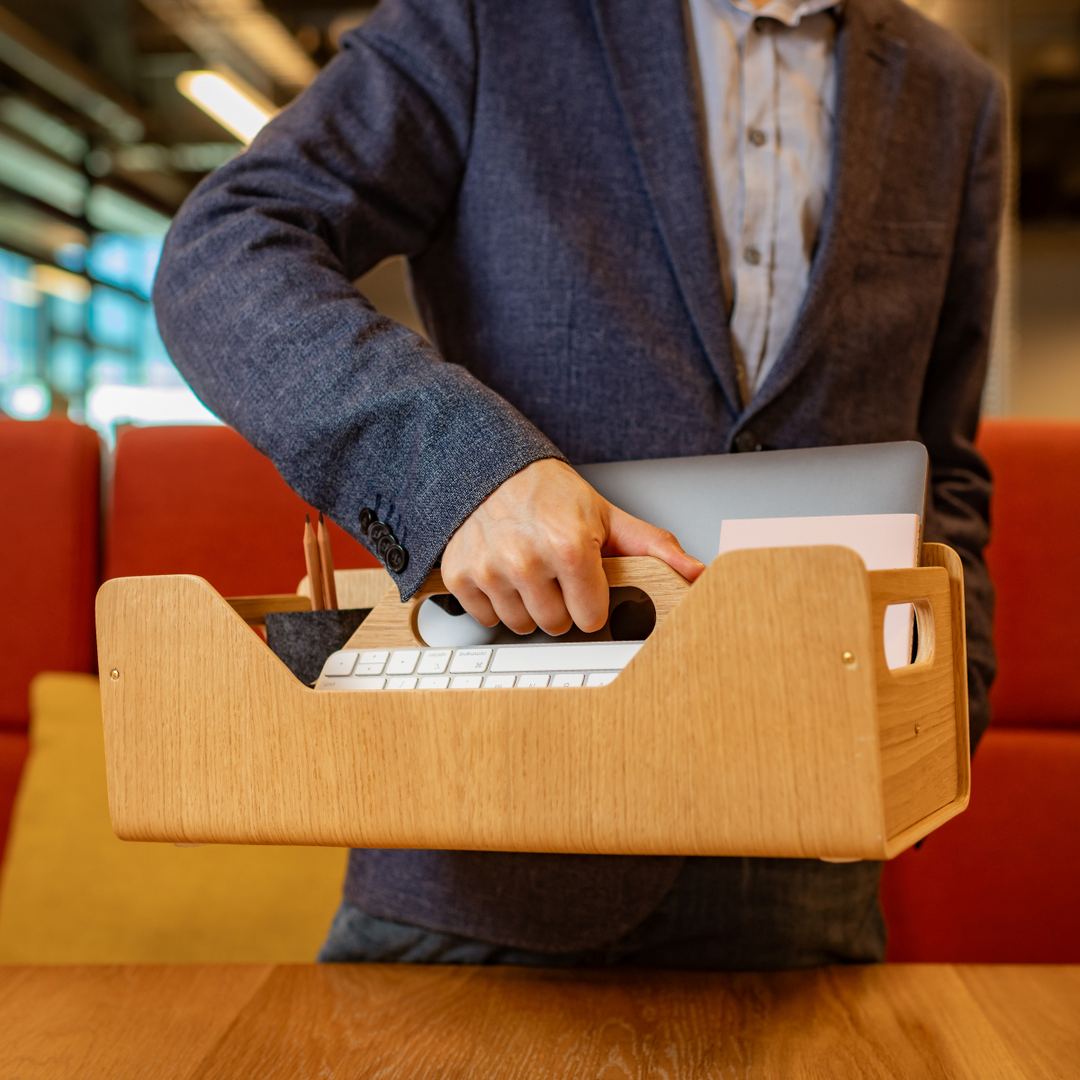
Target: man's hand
[[529, 554]]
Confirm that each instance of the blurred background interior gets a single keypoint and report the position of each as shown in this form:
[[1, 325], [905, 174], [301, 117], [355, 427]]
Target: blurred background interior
[[112, 110]]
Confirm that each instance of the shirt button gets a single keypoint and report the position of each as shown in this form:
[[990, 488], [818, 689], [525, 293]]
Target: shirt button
[[746, 442], [752, 256], [757, 137]]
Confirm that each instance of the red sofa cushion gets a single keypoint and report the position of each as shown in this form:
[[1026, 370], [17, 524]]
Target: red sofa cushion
[[1034, 560], [201, 500], [50, 485], [1001, 882]]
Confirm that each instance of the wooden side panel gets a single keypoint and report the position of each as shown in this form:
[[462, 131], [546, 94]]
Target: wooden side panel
[[916, 703], [935, 775], [738, 729]]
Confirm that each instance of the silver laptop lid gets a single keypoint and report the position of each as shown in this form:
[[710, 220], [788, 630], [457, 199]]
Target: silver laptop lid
[[691, 496]]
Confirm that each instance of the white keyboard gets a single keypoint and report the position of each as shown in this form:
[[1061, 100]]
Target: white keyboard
[[589, 663]]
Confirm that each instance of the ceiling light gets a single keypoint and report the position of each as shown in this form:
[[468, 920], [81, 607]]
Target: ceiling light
[[236, 106]]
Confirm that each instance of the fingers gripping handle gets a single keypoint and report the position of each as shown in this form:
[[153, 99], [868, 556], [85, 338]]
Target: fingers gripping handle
[[393, 623]]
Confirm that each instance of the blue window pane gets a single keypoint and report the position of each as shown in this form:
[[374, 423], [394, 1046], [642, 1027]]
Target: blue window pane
[[67, 316], [115, 319], [68, 363], [110, 368], [128, 262], [19, 318]]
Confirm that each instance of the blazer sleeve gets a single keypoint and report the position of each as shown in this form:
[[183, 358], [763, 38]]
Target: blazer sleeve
[[949, 414], [255, 302]]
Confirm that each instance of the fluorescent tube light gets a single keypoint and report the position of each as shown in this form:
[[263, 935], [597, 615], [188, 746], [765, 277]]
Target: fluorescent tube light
[[236, 106]]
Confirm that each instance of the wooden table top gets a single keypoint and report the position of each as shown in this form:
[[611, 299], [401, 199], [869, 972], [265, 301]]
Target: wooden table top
[[267, 1021]]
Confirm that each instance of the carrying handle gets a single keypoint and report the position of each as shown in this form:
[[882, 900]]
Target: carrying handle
[[393, 623]]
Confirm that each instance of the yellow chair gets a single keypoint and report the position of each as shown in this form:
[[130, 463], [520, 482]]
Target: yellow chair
[[72, 893]]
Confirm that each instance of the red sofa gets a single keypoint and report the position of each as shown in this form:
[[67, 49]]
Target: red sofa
[[998, 883], [1001, 882], [190, 500], [50, 475]]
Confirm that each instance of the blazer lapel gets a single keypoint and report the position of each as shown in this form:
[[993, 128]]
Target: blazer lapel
[[646, 46], [870, 70]]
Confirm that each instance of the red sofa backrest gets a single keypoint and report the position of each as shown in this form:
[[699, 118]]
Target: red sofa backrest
[[50, 491], [999, 884], [201, 500], [1034, 560]]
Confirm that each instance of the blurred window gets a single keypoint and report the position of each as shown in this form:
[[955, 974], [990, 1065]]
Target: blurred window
[[80, 336]]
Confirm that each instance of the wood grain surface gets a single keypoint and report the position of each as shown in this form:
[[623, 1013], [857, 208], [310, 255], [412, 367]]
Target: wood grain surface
[[758, 719], [892, 1022], [144, 1020]]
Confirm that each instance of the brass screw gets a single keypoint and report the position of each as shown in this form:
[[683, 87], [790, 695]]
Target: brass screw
[[848, 658], [114, 674]]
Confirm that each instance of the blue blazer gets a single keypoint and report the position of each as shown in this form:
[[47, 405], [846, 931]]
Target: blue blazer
[[541, 165]]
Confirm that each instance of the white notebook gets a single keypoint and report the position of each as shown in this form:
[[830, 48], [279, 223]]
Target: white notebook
[[883, 541]]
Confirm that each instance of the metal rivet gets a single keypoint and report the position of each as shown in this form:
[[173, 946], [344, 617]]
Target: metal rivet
[[848, 658], [114, 674]]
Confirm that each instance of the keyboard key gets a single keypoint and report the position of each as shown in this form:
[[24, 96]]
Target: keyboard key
[[468, 661], [568, 678], [368, 669], [466, 682], [591, 656], [374, 657], [341, 663], [403, 662], [435, 682], [532, 680], [434, 661], [366, 684], [407, 682], [602, 678], [499, 682]]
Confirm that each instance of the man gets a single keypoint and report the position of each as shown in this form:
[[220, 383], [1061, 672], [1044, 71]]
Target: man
[[634, 231]]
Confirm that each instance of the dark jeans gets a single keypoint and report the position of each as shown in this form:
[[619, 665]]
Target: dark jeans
[[721, 914]]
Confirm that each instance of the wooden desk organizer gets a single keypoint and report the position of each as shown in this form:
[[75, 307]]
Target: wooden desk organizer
[[759, 718]]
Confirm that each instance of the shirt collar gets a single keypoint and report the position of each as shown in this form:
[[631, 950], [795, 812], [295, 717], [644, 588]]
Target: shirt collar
[[789, 12]]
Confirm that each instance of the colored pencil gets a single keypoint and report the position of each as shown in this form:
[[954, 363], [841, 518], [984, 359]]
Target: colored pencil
[[326, 565], [311, 558]]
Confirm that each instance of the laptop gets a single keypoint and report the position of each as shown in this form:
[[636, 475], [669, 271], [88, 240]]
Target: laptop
[[693, 496]]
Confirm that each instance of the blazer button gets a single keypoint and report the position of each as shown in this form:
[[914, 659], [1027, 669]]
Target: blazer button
[[385, 544], [746, 441], [377, 531], [367, 519], [396, 558]]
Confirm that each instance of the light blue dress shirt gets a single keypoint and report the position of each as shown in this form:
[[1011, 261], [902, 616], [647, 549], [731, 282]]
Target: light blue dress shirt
[[768, 82]]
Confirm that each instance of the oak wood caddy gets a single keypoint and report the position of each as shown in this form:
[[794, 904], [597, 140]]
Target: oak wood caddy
[[760, 718]]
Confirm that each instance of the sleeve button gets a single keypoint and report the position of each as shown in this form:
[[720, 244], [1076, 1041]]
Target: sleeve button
[[396, 559], [377, 531], [367, 519]]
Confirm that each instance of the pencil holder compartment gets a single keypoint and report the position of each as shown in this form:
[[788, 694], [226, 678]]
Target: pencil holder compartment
[[304, 639]]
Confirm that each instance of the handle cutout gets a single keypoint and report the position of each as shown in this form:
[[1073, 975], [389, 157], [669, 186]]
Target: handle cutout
[[908, 634]]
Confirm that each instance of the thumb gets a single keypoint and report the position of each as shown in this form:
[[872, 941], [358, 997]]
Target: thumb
[[629, 535]]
